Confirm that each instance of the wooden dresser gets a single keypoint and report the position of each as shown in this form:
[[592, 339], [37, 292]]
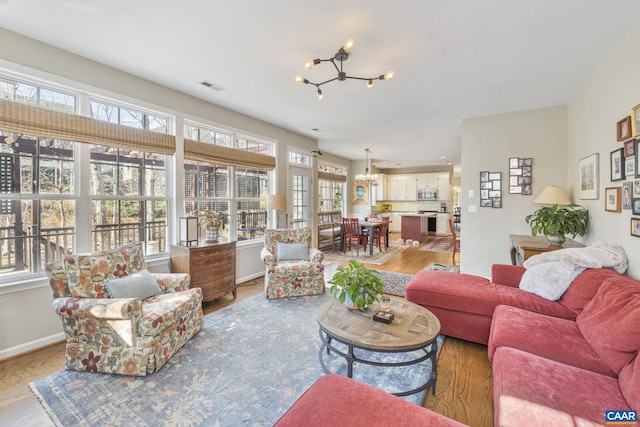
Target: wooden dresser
[[212, 267], [523, 247]]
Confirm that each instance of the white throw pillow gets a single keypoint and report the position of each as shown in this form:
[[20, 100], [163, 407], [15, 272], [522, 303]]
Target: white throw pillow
[[140, 285]]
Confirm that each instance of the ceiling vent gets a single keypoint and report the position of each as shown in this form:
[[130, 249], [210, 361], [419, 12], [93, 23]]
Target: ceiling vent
[[213, 86]]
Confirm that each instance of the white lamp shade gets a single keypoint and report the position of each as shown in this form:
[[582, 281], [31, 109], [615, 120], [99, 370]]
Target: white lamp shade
[[277, 202], [553, 195], [188, 230]]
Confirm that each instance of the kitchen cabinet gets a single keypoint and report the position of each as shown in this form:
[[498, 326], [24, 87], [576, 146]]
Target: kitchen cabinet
[[401, 187], [414, 227], [442, 224], [395, 223], [443, 186], [379, 191]]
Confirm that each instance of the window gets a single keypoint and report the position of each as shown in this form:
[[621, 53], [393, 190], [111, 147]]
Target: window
[[37, 193], [128, 188], [208, 186], [331, 179]]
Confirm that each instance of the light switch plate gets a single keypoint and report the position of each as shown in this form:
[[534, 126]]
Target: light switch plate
[[471, 194], [473, 208]]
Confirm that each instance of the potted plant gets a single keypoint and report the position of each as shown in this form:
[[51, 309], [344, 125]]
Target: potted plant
[[212, 221], [555, 222], [356, 286]]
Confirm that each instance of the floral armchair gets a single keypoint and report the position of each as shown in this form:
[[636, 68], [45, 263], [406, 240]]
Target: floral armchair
[[122, 335], [293, 267]]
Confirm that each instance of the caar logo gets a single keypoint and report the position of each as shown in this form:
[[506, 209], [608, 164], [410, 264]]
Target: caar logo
[[621, 418]]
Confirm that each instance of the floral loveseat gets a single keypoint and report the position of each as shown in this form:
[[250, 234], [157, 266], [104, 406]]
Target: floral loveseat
[[129, 336], [297, 272]]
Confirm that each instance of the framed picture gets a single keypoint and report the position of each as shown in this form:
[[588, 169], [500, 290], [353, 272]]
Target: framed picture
[[635, 120], [635, 227], [629, 167], [636, 188], [624, 128], [612, 199], [588, 177], [491, 189], [360, 194], [626, 194], [630, 148], [518, 169], [616, 160], [635, 206], [637, 152]]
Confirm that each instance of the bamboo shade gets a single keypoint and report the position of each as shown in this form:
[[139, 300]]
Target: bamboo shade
[[204, 152], [36, 121], [331, 176]]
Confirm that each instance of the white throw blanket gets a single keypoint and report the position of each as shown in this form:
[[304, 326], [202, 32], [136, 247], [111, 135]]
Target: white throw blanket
[[550, 274]]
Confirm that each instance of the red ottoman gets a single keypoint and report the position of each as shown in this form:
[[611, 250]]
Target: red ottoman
[[334, 400]]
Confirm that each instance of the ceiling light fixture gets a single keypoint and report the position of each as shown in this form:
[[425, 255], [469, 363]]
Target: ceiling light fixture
[[366, 176], [341, 56]]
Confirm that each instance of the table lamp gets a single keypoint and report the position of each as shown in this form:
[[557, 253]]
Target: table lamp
[[553, 195]]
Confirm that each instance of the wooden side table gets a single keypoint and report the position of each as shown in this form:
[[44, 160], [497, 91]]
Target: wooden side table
[[524, 247], [212, 267]]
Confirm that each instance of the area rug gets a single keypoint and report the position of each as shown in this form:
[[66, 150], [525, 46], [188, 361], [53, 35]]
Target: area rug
[[377, 258], [394, 283], [439, 244], [248, 365]]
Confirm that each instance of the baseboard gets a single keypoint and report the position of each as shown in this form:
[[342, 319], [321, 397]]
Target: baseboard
[[31, 345], [249, 277]]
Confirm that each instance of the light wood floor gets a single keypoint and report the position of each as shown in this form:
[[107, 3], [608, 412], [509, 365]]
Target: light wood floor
[[463, 392]]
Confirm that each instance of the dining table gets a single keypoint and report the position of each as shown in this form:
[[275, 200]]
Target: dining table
[[370, 226]]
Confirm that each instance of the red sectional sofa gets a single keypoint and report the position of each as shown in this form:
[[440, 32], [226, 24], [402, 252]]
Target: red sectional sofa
[[334, 400], [555, 363], [465, 303]]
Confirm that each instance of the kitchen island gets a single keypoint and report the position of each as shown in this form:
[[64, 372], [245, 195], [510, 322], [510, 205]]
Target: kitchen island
[[415, 226]]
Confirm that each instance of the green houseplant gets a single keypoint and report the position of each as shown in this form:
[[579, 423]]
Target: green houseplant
[[557, 221], [356, 286]]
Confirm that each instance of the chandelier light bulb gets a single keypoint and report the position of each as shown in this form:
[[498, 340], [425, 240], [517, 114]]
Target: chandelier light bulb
[[320, 95], [369, 84], [389, 75], [308, 64], [348, 44], [299, 78]]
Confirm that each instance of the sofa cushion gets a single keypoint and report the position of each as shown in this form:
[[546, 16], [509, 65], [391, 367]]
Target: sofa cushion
[[546, 336], [139, 285], [629, 379], [529, 390], [324, 404], [473, 294], [610, 321], [162, 311], [86, 273], [584, 287]]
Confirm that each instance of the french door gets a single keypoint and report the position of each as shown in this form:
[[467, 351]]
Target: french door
[[299, 187]]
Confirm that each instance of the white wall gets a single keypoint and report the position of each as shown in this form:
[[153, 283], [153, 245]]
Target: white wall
[[592, 116], [487, 144], [26, 318]]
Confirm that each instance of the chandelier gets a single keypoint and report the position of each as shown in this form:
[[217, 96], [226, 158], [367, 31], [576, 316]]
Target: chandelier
[[341, 56], [366, 176]]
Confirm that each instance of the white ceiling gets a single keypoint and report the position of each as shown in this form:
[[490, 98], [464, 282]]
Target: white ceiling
[[453, 59]]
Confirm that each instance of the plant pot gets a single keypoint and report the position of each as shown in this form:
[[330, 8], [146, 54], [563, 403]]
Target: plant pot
[[556, 239], [349, 304], [211, 234]]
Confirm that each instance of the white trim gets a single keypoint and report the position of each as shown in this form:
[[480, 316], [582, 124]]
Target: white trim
[[31, 345], [249, 277]]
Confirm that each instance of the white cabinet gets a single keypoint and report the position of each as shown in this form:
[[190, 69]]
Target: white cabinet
[[395, 223], [443, 187], [401, 187], [379, 191], [442, 224]]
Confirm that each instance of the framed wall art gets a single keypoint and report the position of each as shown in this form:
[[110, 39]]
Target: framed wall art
[[626, 194], [624, 128], [490, 189], [635, 206], [635, 227], [520, 175], [616, 163], [637, 154], [636, 189], [635, 120], [612, 199], [629, 167], [630, 148], [588, 177]]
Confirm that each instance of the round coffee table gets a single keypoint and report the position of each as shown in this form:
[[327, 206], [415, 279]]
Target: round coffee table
[[414, 328]]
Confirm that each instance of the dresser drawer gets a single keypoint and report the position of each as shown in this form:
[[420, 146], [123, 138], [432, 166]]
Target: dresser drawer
[[217, 262], [209, 274]]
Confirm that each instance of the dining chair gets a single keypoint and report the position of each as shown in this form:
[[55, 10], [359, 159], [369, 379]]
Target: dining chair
[[381, 233], [456, 240], [351, 230]]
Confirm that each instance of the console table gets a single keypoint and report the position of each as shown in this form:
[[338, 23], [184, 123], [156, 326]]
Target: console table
[[212, 267], [524, 247]]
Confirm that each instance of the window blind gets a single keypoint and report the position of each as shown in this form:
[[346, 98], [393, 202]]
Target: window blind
[[331, 176], [36, 121], [217, 154]]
